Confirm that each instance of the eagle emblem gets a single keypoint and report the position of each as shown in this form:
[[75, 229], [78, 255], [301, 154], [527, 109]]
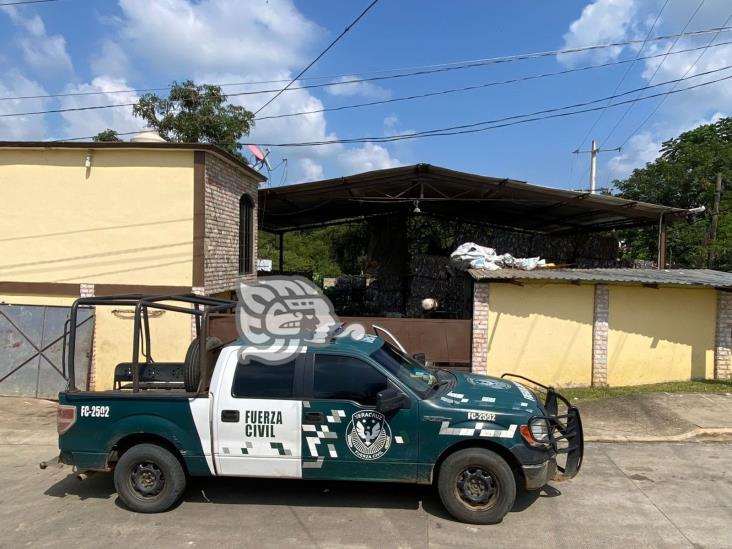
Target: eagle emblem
[[368, 435]]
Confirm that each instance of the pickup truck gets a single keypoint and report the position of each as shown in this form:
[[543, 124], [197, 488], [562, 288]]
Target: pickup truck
[[359, 410]]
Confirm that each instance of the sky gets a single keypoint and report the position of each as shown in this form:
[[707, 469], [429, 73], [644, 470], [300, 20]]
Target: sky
[[114, 46]]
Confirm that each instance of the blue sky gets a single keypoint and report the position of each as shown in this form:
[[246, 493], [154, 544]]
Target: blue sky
[[109, 46]]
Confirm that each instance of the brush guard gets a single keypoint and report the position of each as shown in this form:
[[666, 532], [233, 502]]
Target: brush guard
[[564, 429]]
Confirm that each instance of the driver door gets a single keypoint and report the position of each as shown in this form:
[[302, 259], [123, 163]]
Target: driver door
[[344, 436]]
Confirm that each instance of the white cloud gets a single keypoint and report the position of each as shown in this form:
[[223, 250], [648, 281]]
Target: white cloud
[[366, 158], [311, 170], [364, 89], [641, 148], [112, 61], [41, 51], [601, 22], [90, 122], [30, 127]]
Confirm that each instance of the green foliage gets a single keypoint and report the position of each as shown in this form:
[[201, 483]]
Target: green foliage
[[107, 135], [196, 114], [684, 176], [324, 252]]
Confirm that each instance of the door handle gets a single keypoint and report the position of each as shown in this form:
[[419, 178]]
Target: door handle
[[230, 416], [314, 417]]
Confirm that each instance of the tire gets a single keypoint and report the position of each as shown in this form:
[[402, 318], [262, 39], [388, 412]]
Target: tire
[[192, 367], [149, 479], [476, 486]]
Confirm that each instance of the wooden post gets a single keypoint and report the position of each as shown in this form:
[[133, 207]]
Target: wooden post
[[282, 251], [715, 222], [661, 243]]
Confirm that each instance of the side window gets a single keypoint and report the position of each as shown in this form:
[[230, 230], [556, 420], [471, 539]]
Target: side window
[[260, 380], [246, 234], [347, 378]]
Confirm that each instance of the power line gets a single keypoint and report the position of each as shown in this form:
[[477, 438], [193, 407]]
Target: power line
[[509, 121], [655, 72], [663, 100], [509, 118], [481, 86], [333, 43], [21, 2], [391, 100], [625, 74], [414, 71]]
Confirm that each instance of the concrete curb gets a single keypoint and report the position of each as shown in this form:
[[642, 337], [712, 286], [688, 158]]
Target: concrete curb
[[666, 438]]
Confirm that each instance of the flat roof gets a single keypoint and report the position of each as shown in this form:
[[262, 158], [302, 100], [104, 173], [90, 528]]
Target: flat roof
[[125, 145], [666, 277], [440, 192]]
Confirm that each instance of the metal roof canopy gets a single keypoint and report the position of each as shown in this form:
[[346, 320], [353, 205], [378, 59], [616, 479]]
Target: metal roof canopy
[[649, 277], [440, 192]]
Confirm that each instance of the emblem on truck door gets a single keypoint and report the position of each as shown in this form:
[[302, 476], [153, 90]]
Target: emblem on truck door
[[368, 435]]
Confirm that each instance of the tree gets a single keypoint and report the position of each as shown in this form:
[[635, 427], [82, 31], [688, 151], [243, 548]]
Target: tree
[[107, 135], [196, 114], [684, 176]]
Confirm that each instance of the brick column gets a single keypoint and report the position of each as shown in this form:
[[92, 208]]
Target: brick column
[[479, 362], [87, 290], [723, 339], [599, 335]]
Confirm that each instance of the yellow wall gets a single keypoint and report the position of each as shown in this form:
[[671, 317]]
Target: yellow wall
[[170, 334], [661, 334], [541, 331], [126, 220]]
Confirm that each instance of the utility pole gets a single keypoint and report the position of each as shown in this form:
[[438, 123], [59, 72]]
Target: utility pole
[[715, 219], [593, 152]]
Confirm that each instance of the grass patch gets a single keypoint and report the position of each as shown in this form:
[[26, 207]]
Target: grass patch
[[579, 394]]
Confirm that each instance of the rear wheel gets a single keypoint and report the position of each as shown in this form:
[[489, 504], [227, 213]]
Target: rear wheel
[[149, 479], [476, 486]]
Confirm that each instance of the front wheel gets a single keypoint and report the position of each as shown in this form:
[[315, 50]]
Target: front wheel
[[149, 479], [476, 486]]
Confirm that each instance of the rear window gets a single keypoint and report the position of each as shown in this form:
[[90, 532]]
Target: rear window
[[260, 380]]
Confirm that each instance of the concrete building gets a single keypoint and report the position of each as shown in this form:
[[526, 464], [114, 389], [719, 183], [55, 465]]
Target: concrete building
[[84, 219], [574, 327]]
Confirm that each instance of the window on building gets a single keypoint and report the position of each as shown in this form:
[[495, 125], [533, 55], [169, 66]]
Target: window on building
[[260, 380], [246, 234], [347, 378]]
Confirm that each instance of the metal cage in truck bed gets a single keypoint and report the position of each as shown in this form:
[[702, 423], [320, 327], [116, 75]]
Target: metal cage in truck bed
[[146, 373]]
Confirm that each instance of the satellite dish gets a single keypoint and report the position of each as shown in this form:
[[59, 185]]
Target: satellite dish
[[260, 156]]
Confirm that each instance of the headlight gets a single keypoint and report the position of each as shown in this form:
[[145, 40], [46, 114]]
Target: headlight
[[540, 430]]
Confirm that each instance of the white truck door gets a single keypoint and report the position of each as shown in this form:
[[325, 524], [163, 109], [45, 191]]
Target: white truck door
[[256, 418]]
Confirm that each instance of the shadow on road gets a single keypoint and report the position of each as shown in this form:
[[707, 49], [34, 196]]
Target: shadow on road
[[295, 493]]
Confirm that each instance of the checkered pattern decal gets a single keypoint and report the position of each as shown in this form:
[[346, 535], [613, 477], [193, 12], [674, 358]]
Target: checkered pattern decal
[[335, 416], [315, 435], [476, 431], [455, 398]]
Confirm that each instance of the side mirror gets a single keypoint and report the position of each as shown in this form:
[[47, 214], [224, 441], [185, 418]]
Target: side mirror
[[389, 400], [420, 357]]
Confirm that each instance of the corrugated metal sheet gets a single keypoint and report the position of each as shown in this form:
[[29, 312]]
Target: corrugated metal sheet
[[670, 277]]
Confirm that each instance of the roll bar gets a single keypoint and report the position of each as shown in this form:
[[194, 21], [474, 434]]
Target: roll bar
[[203, 306]]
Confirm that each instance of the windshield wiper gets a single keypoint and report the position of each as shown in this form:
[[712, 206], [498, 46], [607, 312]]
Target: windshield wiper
[[439, 384]]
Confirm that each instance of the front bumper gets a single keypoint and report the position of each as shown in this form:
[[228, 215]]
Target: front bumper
[[537, 476], [566, 438]]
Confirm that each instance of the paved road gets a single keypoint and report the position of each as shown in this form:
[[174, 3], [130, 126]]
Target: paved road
[[627, 495]]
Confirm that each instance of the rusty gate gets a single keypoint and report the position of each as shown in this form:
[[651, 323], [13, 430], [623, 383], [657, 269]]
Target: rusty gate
[[33, 349]]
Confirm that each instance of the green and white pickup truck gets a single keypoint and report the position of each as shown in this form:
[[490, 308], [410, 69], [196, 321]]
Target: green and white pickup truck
[[349, 410]]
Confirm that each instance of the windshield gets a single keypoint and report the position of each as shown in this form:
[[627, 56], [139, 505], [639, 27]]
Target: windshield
[[416, 376]]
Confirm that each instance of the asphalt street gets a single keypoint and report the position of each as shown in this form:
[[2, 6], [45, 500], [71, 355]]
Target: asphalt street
[[675, 494]]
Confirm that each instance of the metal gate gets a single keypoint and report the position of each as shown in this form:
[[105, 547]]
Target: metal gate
[[33, 349]]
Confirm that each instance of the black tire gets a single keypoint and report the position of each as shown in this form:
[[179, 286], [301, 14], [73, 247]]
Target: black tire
[[192, 368], [476, 486], [149, 479]]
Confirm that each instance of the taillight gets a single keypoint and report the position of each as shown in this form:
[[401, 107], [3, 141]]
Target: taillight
[[65, 418]]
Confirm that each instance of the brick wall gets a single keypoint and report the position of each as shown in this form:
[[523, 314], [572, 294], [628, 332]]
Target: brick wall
[[600, 335], [479, 362], [723, 339], [224, 185]]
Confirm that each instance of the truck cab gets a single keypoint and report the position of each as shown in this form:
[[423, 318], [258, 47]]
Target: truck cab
[[357, 410]]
